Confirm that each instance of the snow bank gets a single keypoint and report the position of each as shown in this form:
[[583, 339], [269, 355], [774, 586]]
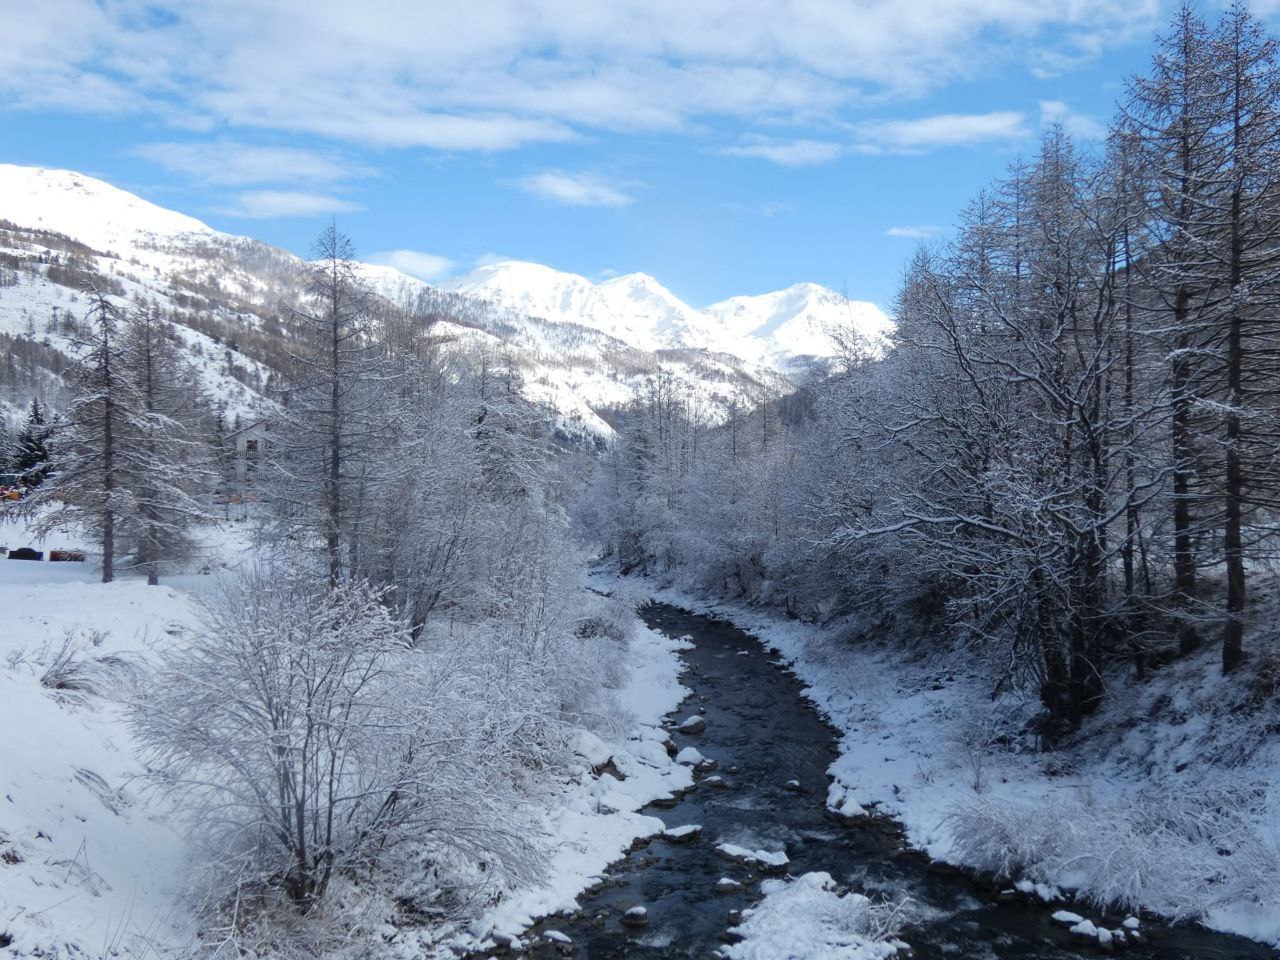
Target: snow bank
[[809, 917], [597, 822], [85, 861]]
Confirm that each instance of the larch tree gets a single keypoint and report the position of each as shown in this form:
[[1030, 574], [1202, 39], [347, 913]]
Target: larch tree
[[162, 456], [87, 487], [331, 409]]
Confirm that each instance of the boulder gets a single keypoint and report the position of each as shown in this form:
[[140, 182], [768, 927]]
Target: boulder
[[693, 725]]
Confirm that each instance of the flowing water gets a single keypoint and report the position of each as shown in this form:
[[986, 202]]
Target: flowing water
[[763, 733]]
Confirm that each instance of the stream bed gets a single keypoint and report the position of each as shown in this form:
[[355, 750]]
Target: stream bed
[[762, 733]]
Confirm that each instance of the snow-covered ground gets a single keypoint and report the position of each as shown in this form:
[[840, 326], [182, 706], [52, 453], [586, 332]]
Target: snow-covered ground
[[1168, 801], [90, 865], [87, 862]]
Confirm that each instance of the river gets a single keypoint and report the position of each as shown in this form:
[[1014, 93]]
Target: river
[[763, 733]]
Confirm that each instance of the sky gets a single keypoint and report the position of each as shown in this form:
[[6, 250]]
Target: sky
[[726, 147]]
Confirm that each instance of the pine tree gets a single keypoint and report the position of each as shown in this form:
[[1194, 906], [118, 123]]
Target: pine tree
[[124, 466], [31, 448], [1248, 214], [1173, 113]]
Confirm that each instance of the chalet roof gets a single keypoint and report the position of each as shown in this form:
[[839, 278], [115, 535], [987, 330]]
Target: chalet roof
[[262, 423]]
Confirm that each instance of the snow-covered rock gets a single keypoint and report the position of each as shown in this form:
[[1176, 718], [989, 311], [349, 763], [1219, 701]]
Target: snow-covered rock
[[809, 917], [690, 757], [693, 725], [774, 329], [803, 321], [771, 860]]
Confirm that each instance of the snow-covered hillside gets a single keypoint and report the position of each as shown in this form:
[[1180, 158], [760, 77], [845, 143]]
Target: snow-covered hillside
[[583, 348]]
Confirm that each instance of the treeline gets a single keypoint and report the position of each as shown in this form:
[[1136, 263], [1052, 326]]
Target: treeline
[[1068, 457]]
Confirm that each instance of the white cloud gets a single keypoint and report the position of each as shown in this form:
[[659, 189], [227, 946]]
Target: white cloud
[[496, 74], [574, 189], [1079, 125], [918, 232], [228, 163], [787, 153], [271, 204], [922, 134], [424, 266]]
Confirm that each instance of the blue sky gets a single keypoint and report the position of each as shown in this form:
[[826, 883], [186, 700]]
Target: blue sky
[[724, 146]]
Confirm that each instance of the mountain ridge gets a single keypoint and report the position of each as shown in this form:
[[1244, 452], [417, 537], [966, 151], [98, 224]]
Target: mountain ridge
[[583, 348]]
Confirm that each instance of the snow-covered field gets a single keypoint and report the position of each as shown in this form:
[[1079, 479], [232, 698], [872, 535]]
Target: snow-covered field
[[1169, 801], [91, 864], [87, 862]]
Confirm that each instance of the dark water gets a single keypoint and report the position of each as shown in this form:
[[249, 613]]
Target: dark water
[[764, 733]]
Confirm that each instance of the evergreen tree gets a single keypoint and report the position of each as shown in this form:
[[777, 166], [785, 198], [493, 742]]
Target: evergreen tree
[[31, 447]]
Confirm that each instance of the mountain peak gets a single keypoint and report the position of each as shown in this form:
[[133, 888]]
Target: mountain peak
[[86, 209]]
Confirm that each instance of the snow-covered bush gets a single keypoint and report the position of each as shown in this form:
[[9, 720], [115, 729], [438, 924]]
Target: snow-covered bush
[[310, 744], [1181, 854]]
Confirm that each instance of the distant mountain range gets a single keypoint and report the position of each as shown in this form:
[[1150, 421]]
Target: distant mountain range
[[583, 347]]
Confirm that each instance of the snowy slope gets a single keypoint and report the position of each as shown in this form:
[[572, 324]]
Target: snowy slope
[[89, 864], [583, 347], [89, 210]]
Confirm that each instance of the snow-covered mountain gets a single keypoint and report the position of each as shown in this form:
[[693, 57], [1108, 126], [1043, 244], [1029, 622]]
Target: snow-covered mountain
[[777, 330], [803, 321], [635, 309], [89, 210], [583, 348]]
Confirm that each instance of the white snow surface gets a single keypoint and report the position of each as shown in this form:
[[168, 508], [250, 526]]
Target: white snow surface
[[87, 209], [807, 917], [89, 863]]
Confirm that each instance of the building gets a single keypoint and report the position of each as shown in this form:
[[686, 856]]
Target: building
[[248, 447]]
